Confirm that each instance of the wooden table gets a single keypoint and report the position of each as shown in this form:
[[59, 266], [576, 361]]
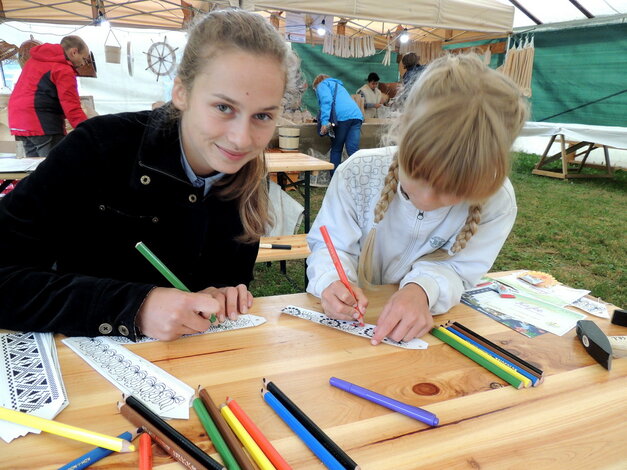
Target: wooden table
[[282, 163], [575, 419]]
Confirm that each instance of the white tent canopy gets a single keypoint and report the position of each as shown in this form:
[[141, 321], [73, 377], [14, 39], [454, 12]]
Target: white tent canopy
[[473, 15]]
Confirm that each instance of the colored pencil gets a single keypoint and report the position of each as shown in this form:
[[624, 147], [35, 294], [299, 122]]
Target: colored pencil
[[65, 430], [214, 435], [458, 344], [525, 381], [163, 269], [145, 452], [521, 362], [498, 357], [316, 447], [166, 437], [247, 441], [339, 268], [96, 454], [261, 440], [408, 410], [275, 246], [225, 431], [312, 427]]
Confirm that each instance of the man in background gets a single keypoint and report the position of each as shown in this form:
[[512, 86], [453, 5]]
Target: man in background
[[46, 93]]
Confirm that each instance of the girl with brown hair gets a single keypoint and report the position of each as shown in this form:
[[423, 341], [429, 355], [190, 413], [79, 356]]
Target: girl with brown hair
[[187, 178], [430, 213]]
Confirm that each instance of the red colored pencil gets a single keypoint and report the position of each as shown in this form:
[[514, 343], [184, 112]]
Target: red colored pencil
[[257, 435], [145, 452], [339, 267]]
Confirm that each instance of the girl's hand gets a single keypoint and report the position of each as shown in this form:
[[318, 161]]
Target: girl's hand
[[233, 301], [169, 313], [405, 316], [338, 302], [324, 130]]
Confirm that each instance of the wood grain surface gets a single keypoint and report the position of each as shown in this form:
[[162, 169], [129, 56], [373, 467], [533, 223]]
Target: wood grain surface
[[295, 162], [576, 419]]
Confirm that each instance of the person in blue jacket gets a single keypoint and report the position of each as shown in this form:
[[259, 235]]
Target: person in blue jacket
[[347, 129]]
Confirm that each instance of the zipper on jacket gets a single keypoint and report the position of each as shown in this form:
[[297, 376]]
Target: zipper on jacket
[[421, 215]]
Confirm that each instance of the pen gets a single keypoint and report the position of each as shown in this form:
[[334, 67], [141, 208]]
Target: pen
[[403, 408], [338, 266], [163, 269], [275, 246]]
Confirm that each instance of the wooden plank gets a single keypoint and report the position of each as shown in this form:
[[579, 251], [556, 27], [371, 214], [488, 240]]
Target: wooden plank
[[300, 248], [295, 162]]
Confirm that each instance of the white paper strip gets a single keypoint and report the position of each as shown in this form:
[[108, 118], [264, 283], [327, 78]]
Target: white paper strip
[[243, 321], [353, 328], [161, 392]]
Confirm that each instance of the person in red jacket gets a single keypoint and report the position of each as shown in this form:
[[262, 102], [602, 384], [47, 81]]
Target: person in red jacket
[[46, 93]]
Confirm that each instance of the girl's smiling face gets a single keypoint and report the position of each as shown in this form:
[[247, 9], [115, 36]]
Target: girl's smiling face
[[423, 196], [229, 115]]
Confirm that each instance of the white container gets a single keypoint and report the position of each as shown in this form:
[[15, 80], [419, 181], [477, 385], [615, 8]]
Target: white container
[[289, 138]]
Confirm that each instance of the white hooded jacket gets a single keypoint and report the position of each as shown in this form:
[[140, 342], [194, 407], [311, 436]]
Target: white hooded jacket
[[404, 235]]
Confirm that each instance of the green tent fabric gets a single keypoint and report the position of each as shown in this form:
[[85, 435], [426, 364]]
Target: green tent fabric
[[580, 76], [351, 71]]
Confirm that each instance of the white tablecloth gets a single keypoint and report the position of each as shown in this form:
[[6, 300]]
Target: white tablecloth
[[604, 135]]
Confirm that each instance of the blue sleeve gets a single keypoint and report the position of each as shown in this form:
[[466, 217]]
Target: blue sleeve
[[325, 98]]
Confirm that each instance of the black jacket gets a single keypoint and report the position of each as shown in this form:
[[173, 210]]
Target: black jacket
[[68, 261]]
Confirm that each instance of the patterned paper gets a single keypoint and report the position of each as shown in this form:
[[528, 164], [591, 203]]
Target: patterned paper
[[243, 321], [33, 380], [353, 328], [161, 392]]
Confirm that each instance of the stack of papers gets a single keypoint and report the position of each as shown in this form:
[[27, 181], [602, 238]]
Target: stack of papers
[[33, 382], [12, 164]]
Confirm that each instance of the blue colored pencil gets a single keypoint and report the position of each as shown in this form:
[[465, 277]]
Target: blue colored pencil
[[324, 455], [95, 455], [533, 378]]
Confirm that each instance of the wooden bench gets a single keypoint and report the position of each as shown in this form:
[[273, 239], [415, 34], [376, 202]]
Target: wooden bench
[[300, 250]]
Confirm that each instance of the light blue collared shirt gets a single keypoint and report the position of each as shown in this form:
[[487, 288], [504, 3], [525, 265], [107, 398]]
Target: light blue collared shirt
[[197, 181]]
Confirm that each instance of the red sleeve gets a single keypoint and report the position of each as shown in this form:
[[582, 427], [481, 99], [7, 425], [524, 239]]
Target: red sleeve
[[65, 81]]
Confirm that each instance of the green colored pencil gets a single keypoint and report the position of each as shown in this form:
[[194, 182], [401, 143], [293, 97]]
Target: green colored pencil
[[163, 269], [515, 382], [214, 435]]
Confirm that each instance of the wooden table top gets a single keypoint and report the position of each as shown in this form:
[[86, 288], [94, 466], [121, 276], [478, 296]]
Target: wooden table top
[[281, 161], [575, 419]]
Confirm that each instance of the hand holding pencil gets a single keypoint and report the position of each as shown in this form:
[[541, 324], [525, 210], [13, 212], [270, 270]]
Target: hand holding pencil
[[340, 299]]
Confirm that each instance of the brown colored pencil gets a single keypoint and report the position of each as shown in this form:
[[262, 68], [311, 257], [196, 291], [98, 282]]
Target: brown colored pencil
[[226, 432], [498, 350], [166, 437]]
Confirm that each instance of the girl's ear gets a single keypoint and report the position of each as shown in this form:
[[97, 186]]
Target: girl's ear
[[179, 95]]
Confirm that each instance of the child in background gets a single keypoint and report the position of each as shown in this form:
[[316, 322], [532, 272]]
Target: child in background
[[187, 178], [431, 214]]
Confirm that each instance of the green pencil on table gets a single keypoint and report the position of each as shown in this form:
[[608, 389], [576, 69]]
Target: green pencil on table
[[163, 269]]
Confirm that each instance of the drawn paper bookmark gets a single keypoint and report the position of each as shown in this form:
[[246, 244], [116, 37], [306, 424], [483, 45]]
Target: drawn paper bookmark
[[353, 328], [161, 392], [243, 321]]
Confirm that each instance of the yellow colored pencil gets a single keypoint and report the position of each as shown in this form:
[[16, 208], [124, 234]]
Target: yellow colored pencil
[[65, 430], [526, 382], [247, 441]]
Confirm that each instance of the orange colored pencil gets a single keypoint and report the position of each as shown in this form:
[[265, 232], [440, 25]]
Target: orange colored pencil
[[145, 452], [257, 435], [339, 268]]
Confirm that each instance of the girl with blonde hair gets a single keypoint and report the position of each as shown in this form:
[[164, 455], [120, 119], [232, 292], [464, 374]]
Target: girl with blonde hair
[[430, 213], [187, 178]]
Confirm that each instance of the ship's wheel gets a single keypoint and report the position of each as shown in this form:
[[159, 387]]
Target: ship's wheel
[[161, 58]]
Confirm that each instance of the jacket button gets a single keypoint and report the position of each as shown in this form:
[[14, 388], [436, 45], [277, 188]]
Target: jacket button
[[155, 220], [192, 198], [105, 328], [123, 330], [145, 179]]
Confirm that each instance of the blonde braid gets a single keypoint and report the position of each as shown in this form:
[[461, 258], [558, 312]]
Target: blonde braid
[[364, 270], [469, 229], [388, 192]]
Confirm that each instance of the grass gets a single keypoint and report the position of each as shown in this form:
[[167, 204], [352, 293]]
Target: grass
[[572, 229]]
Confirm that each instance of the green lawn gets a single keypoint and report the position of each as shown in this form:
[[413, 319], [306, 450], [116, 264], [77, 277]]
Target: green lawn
[[574, 230]]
